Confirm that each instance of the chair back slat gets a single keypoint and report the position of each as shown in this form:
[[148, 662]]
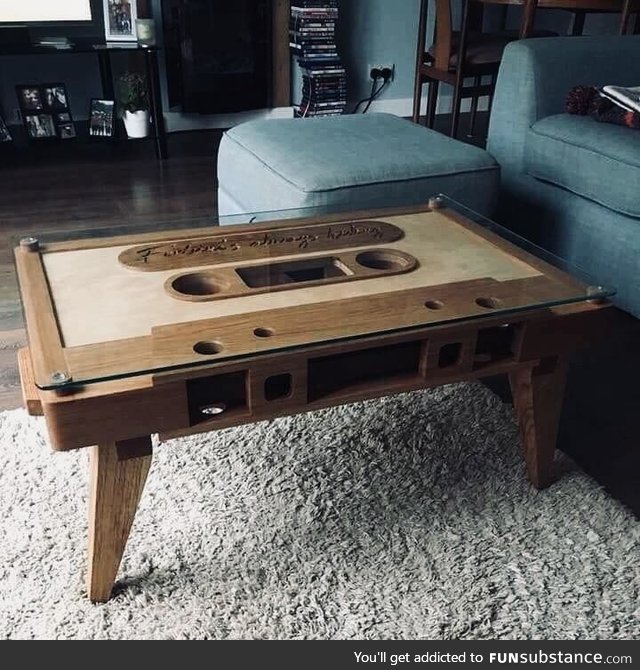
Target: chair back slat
[[443, 34]]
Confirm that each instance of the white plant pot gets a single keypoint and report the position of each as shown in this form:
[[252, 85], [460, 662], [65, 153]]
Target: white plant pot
[[136, 123]]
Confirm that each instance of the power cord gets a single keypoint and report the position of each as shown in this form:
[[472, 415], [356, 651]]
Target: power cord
[[373, 86], [375, 95], [376, 74]]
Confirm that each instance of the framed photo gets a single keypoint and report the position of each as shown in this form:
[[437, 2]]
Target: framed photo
[[54, 97], [39, 126], [5, 135], [102, 118], [120, 20], [66, 131], [45, 111], [30, 98]]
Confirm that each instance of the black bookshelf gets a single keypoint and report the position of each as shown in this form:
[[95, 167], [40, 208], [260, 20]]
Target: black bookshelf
[[104, 53]]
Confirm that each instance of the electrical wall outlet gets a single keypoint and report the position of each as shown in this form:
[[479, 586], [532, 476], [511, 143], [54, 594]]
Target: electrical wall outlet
[[380, 69]]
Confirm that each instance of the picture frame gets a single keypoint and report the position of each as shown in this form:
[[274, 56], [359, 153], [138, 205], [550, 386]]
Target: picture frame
[[102, 118], [66, 131], [45, 111], [120, 20], [54, 97], [40, 126], [30, 98], [5, 135]]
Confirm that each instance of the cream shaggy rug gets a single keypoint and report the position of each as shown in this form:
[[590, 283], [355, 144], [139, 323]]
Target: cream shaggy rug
[[408, 517]]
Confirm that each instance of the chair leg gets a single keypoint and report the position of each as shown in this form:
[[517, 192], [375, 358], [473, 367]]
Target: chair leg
[[578, 23], [491, 93], [417, 98], [455, 109], [627, 24], [474, 107], [432, 101]]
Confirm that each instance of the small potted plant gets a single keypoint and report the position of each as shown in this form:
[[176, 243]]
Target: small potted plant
[[134, 97]]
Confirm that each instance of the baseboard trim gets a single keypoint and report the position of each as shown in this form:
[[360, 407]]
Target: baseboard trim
[[404, 106], [177, 121]]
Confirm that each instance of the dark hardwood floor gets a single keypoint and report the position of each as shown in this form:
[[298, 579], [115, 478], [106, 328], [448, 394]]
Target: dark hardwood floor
[[58, 187], [64, 188]]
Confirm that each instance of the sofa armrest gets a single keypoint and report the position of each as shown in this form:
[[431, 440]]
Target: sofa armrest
[[536, 75]]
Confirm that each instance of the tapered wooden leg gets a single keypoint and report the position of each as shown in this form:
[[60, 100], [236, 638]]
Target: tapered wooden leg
[[118, 473], [537, 396]]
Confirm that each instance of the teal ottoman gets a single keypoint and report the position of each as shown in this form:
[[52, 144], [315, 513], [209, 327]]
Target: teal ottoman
[[354, 161]]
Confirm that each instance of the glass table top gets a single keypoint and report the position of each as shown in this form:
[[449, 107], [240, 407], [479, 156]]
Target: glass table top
[[146, 299]]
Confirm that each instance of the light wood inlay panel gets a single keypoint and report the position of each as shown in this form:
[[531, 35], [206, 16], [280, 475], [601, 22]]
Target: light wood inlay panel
[[227, 245], [99, 300]]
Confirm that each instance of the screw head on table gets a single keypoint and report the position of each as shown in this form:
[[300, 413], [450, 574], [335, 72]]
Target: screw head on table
[[595, 294], [60, 378], [437, 202], [30, 243]]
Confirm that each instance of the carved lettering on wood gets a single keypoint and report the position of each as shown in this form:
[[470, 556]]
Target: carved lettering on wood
[[226, 248]]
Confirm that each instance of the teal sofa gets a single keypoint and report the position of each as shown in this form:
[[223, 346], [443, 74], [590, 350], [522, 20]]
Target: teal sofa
[[569, 183]]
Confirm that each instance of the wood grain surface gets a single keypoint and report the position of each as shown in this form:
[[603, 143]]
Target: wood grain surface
[[118, 472], [286, 275], [45, 339], [131, 304], [114, 320], [226, 246]]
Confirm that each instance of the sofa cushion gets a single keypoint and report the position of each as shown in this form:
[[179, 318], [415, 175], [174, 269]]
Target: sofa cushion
[[598, 161]]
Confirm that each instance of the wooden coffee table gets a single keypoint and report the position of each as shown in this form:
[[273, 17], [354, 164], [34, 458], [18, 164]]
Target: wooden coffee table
[[188, 331]]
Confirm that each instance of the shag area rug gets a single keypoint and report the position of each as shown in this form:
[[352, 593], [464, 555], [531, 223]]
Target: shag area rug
[[407, 517]]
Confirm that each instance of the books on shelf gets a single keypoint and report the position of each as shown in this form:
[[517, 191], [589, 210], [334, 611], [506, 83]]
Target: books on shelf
[[312, 40], [319, 4], [55, 42]]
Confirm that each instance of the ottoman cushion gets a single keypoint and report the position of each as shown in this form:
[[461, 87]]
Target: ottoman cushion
[[360, 160]]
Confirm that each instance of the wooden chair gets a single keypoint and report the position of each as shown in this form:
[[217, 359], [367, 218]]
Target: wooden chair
[[455, 56], [630, 8], [479, 55], [580, 9]]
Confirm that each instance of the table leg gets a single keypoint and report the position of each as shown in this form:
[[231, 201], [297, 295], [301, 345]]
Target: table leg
[[537, 396], [118, 472], [155, 94], [106, 74]]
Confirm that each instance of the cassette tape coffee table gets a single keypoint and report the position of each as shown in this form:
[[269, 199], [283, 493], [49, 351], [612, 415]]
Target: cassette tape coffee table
[[194, 330]]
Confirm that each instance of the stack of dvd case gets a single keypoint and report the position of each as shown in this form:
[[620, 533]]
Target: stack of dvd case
[[312, 34]]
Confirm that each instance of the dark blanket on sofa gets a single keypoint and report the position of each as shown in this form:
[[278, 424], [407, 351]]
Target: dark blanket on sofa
[[588, 101]]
